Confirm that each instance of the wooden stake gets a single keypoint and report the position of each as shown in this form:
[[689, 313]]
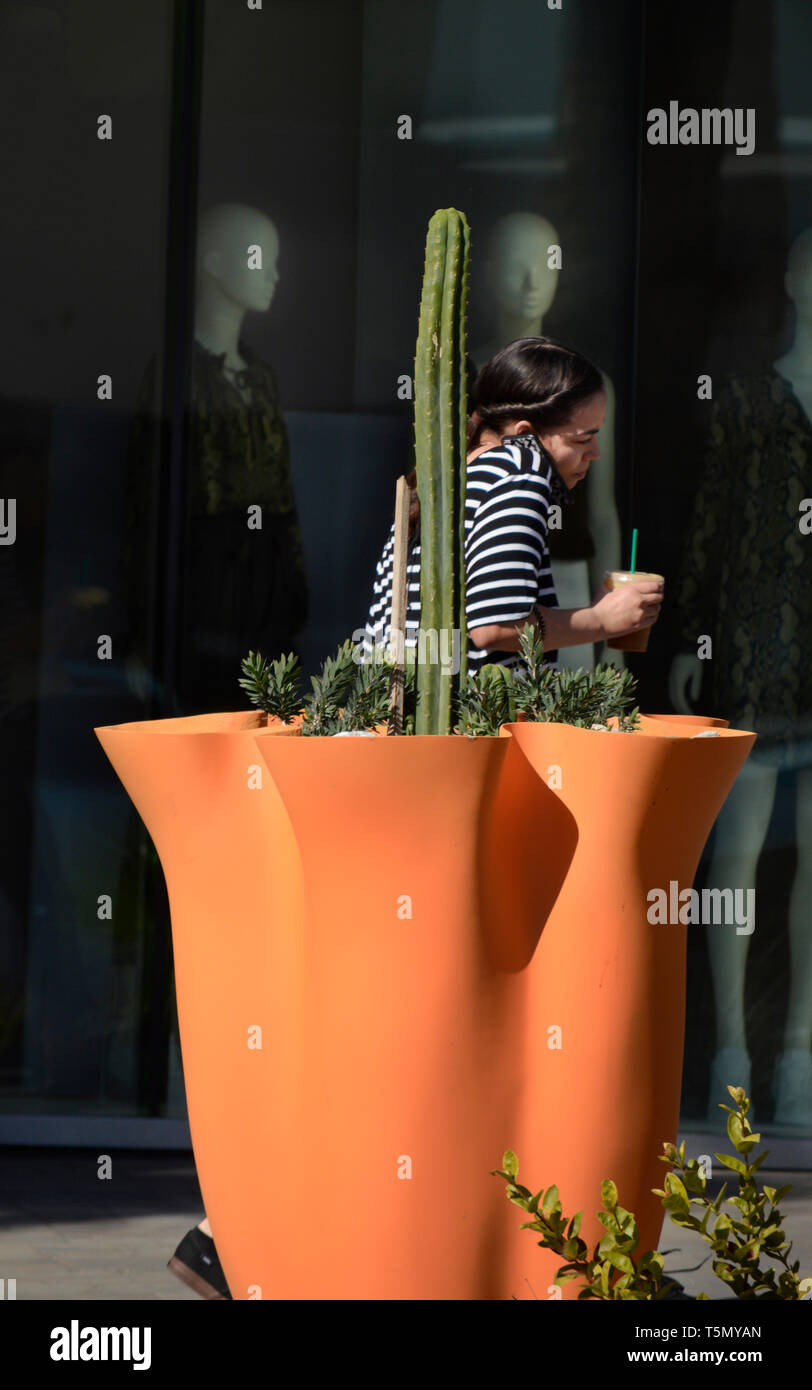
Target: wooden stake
[[397, 627]]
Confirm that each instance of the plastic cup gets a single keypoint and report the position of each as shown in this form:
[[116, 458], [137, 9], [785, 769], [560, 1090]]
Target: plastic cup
[[629, 641]]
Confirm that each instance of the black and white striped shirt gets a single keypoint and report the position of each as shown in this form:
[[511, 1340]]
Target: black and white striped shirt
[[509, 491]]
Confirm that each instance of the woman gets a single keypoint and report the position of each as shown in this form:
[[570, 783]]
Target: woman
[[532, 437]]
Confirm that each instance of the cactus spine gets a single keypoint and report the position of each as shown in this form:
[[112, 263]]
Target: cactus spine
[[441, 420]]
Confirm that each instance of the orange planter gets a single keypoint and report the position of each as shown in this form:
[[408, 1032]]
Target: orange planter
[[406, 919]]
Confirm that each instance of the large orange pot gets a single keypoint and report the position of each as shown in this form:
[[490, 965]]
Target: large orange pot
[[375, 907]]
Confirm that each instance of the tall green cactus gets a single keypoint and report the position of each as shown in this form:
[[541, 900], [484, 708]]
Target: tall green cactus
[[440, 424]]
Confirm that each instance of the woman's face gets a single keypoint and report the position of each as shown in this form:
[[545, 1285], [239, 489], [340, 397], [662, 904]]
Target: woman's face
[[574, 446]]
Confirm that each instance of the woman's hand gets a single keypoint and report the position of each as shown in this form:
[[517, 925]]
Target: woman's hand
[[611, 614], [629, 607]]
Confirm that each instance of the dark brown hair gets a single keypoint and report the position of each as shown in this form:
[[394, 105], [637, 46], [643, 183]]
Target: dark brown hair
[[534, 379]]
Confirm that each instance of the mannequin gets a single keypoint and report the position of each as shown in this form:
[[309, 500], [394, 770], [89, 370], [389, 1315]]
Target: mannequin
[[226, 287], [243, 586], [522, 288], [746, 542]]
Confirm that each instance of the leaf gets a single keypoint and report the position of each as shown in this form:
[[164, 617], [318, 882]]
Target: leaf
[[519, 1191], [626, 1220], [674, 1185], [550, 1200], [694, 1180], [510, 1163], [734, 1163], [621, 1261], [609, 1194]]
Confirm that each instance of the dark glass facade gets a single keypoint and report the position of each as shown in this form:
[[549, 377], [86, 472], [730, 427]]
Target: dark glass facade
[[158, 383]]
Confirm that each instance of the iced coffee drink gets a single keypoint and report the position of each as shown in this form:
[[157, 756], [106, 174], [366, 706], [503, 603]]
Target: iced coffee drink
[[629, 641]]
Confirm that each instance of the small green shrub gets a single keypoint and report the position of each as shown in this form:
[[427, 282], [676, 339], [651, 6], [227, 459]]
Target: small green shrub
[[350, 695], [753, 1228], [273, 686], [496, 694], [738, 1239], [347, 695], [330, 692]]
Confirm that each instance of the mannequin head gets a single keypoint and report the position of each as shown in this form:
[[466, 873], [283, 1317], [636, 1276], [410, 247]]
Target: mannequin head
[[225, 232], [798, 279], [538, 386], [516, 271]]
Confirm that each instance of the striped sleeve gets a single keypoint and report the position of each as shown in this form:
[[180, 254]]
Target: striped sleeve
[[506, 549], [378, 624]]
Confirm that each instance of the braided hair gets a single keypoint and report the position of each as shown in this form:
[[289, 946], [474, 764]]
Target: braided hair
[[534, 379]]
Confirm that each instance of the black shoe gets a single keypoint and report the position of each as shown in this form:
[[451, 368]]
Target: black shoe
[[195, 1262]]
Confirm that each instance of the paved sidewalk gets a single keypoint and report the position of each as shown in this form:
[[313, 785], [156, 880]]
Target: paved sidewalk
[[67, 1234]]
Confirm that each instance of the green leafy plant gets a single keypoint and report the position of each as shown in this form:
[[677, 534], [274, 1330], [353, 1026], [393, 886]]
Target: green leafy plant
[[754, 1228], [366, 698], [273, 685], [739, 1239], [330, 691], [353, 696], [610, 1271], [587, 699], [347, 696], [487, 700], [350, 695]]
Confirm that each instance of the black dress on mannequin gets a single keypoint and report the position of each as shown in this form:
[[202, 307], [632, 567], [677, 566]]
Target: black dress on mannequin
[[241, 588], [747, 577]]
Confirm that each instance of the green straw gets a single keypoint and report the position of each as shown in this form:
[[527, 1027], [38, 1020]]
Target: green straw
[[633, 565]]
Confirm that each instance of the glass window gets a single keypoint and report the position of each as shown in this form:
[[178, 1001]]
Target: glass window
[[216, 218]]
